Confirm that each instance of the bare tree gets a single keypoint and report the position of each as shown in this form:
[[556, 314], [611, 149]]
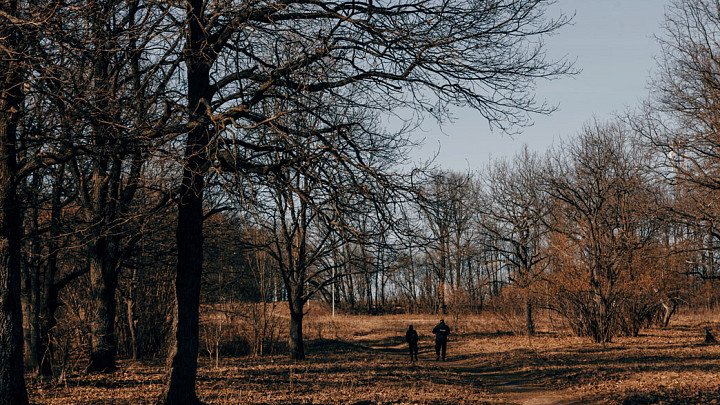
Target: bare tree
[[301, 245], [117, 87], [682, 119], [311, 204], [604, 215], [514, 221], [449, 206], [681, 124]]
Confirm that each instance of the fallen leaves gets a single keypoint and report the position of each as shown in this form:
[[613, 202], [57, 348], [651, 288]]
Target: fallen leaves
[[661, 366]]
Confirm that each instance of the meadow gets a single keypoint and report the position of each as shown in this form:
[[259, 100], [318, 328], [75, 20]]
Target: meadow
[[362, 360]]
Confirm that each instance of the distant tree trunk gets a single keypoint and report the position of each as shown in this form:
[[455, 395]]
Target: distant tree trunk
[[529, 320], [31, 280], [441, 295], [413, 283], [668, 309], [44, 349], [50, 290], [349, 291], [132, 318], [443, 273]]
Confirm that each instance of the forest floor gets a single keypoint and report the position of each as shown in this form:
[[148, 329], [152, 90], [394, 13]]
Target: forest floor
[[363, 361]]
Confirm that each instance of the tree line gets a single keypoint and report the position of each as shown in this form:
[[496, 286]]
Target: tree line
[[169, 165]]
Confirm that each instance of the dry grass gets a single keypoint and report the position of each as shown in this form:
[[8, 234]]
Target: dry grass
[[362, 360]]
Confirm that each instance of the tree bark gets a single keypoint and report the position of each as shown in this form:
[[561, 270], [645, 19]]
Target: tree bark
[[180, 388], [103, 283], [296, 343], [12, 383], [183, 372]]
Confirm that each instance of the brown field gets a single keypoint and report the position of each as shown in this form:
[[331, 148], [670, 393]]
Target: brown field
[[363, 360]]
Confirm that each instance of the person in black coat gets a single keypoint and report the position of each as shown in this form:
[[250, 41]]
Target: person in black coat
[[411, 337], [441, 332]]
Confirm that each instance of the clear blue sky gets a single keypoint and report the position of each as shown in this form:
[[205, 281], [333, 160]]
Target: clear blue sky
[[612, 43]]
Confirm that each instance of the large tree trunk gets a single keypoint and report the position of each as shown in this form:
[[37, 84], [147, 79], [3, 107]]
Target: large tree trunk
[[180, 388], [296, 343], [103, 283], [183, 357], [183, 372], [12, 383], [600, 322]]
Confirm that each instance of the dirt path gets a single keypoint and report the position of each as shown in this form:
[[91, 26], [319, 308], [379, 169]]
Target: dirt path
[[519, 388], [507, 384], [510, 386]]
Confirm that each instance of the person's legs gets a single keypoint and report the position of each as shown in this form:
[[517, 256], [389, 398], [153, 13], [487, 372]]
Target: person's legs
[[437, 350], [413, 352], [444, 347]]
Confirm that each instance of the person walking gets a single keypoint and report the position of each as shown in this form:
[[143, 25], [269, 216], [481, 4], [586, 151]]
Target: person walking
[[411, 337], [441, 332]]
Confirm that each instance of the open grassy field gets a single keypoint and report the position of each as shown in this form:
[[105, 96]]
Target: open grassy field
[[363, 360]]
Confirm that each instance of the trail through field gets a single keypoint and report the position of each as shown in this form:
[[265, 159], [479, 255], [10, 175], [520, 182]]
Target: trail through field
[[520, 388], [509, 384]]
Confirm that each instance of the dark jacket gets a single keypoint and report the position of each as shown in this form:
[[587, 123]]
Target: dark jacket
[[411, 337], [441, 332]]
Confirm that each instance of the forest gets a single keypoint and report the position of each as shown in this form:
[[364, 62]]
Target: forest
[[186, 179]]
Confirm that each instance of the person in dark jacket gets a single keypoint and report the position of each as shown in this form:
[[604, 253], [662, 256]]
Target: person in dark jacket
[[441, 332], [411, 337]]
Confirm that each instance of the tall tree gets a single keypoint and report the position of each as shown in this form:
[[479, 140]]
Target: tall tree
[[12, 81], [604, 215], [515, 222], [681, 123], [115, 81], [448, 205]]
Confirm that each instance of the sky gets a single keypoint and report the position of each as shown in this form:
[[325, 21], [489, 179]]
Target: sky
[[612, 44]]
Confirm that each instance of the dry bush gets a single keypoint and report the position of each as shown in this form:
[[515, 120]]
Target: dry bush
[[152, 306], [238, 329], [71, 335], [509, 308]]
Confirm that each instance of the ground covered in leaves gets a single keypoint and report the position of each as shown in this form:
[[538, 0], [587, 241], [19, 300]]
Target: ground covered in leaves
[[363, 360]]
